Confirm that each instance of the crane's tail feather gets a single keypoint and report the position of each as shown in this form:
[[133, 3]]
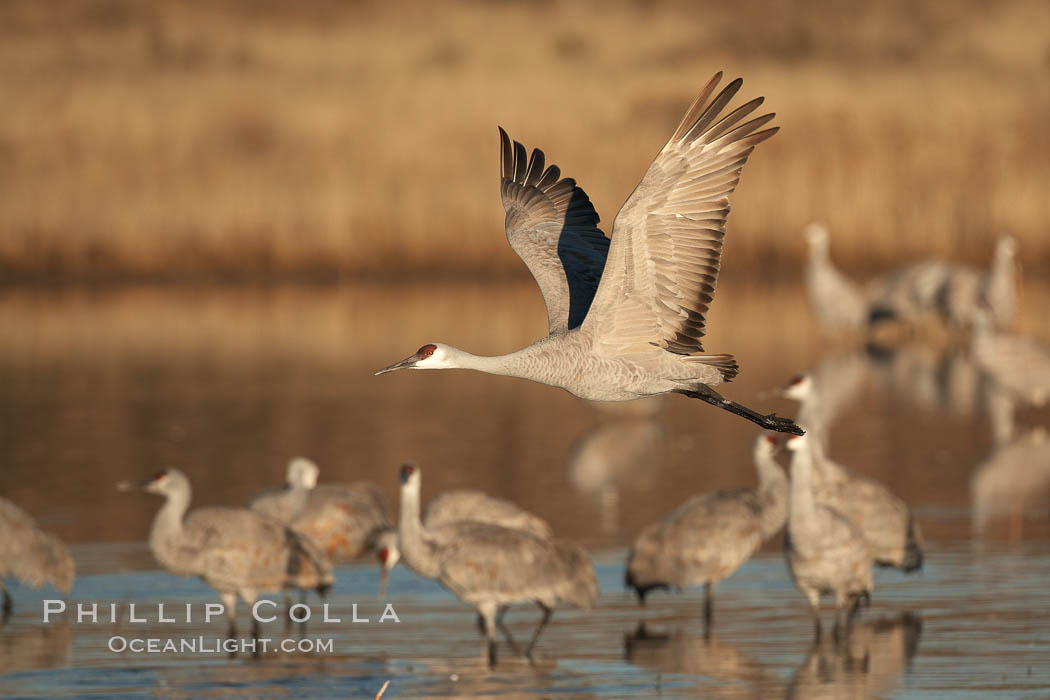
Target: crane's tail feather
[[726, 364]]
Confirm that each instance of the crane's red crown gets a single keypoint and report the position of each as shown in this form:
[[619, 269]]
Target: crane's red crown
[[406, 471], [426, 351]]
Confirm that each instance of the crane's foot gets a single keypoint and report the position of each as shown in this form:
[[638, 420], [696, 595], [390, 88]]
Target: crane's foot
[[7, 608], [769, 421], [492, 653], [781, 425]]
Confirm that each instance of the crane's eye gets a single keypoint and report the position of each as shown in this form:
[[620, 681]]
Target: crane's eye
[[796, 380], [406, 471], [426, 350], [160, 475]]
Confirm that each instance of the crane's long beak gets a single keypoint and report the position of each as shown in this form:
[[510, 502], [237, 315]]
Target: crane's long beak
[[406, 363], [133, 485]]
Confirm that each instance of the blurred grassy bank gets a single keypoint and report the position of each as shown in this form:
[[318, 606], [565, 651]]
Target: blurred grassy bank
[[229, 140]]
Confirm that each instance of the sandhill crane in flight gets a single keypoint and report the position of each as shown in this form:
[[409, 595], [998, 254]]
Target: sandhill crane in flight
[[30, 555], [493, 567], [458, 507], [826, 552], [235, 550], [711, 535], [626, 315]]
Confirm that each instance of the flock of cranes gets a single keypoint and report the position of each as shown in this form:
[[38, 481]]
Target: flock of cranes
[[626, 319]]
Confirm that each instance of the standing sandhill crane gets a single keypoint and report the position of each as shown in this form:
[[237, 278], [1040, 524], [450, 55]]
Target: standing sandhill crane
[[493, 567], [836, 300], [826, 552], [286, 504], [710, 536], [236, 551], [457, 507], [344, 519], [30, 555], [626, 316], [886, 522], [1019, 365], [999, 292], [968, 290]]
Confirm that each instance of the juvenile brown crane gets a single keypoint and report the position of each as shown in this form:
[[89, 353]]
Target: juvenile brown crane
[[626, 315]]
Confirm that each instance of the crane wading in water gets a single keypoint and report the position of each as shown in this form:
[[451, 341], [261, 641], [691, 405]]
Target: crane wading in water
[[626, 315]]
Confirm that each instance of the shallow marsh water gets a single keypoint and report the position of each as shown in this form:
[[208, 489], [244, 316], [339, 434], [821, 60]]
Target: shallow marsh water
[[100, 386]]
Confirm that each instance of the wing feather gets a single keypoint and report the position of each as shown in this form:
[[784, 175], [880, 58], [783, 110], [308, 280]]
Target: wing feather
[[665, 254], [553, 228]]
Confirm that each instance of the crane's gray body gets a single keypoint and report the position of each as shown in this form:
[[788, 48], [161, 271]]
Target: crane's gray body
[[478, 507], [236, 551], [343, 518], [492, 567], [711, 535], [31, 555], [827, 554]]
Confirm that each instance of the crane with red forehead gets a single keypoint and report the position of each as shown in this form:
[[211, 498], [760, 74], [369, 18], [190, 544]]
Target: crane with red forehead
[[626, 315]]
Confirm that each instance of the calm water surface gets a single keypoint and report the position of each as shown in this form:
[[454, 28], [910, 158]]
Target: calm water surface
[[99, 386]]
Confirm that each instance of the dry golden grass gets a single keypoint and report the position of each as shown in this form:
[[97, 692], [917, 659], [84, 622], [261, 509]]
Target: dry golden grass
[[273, 139]]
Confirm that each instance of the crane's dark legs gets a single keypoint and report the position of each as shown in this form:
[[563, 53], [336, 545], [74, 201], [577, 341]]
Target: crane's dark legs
[[488, 612], [770, 422], [7, 604], [539, 629], [709, 604], [506, 632]]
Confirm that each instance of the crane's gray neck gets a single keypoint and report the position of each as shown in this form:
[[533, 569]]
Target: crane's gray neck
[[167, 524], [770, 474], [802, 504], [772, 492], [510, 365], [415, 549]]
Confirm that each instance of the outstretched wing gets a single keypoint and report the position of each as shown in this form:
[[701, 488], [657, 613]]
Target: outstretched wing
[[667, 239], [553, 228]]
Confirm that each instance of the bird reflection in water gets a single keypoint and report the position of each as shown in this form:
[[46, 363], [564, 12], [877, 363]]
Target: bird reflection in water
[[727, 671], [869, 662], [29, 647]]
